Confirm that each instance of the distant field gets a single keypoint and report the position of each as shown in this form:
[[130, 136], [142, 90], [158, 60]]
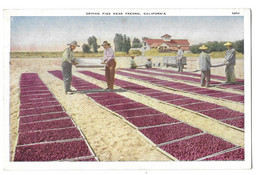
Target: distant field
[[51, 54], [59, 54], [149, 53]]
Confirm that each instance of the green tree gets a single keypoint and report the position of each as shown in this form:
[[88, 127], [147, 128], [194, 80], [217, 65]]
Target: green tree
[[124, 49], [194, 49], [239, 46], [118, 42], [95, 47], [127, 45], [122, 43], [86, 48], [218, 46], [136, 43], [92, 43]]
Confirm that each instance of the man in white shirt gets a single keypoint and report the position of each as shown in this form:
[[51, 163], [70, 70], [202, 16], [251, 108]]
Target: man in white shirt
[[109, 59]]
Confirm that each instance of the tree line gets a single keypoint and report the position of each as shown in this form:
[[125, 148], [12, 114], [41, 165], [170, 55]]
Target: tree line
[[122, 43], [218, 46]]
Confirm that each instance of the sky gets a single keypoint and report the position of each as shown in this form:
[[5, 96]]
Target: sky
[[53, 33]]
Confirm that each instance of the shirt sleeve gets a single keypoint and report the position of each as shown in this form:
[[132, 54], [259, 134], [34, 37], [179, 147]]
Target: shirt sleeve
[[208, 59]]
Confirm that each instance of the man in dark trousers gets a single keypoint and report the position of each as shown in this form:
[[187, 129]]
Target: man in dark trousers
[[109, 60], [67, 61]]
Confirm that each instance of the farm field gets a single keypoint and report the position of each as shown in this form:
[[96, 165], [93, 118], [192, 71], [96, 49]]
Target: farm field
[[151, 116]]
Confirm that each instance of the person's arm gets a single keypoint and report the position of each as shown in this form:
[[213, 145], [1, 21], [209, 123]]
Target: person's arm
[[73, 59], [208, 59], [74, 62]]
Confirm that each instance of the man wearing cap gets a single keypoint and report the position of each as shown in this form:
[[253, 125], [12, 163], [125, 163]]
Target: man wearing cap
[[109, 60], [230, 61], [67, 61], [204, 66], [132, 63], [149, 63], [179, 59]]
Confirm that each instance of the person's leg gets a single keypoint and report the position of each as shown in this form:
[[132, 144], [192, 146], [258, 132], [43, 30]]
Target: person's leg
[[232, 74], [107, 72], [112, 74], [70, 75], [181, 66], [178, 65], [227, 74], [66, 76], [202, 80], [207, 78]]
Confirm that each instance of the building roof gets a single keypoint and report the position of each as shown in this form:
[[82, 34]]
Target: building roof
[[173, 42], [166, 35], [156, 44]]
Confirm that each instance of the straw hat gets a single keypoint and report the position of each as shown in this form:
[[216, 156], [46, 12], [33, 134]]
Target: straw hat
[[104, 43], [228, 44], [203, 47], [73, 43], [149, 58]]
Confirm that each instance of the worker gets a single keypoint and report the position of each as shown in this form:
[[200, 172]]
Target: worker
[[132, 63], [149, 63], [110, 70], [204, 66], [230, 61], [179, 59], [67, 61]]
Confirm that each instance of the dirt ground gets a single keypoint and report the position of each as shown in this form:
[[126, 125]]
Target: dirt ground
[[109, 136]]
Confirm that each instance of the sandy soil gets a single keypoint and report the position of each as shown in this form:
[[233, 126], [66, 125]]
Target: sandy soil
[[109, 136]]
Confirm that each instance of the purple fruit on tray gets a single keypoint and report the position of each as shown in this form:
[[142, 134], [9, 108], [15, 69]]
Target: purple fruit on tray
[[237, 154], [52, 151], [55, 124], [196, 147]]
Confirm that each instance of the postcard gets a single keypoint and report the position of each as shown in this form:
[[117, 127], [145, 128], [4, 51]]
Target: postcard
[[127, 89]]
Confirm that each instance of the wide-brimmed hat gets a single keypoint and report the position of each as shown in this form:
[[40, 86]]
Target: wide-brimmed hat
[[203, 47], [104, 43], [73, 43], [178, 46], [149, 58], [132, 56], [228, 44]]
